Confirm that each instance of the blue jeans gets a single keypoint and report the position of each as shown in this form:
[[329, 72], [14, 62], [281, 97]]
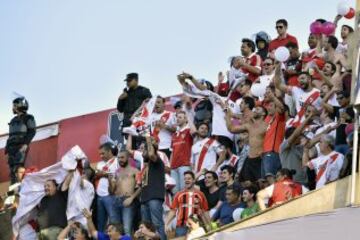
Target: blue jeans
[[270, 163], [178, 175], [125, 215], [152, 211], [181, 231], [104, 211]]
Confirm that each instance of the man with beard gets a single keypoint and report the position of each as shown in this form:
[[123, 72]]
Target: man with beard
[[256, 128], [51, 215], [206, 153], [330, 75], [124, 188], [162, 125], [303, 95], [251, 62]]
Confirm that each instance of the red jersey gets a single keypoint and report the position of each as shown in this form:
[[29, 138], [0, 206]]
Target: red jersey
[[255, 61], [181, 144], [188, 202], [278, 42], [284, 191], [275, 133]]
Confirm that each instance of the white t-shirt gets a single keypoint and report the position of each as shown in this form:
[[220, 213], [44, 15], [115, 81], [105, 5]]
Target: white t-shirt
[[218, 117], [164, 135], [210, 157], [111, 166], [327, 167]]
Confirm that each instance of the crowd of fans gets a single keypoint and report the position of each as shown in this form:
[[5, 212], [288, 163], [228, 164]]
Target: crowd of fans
[[267, 133]]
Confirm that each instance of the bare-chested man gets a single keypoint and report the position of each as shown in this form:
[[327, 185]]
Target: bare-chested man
[[256, 128], [123, 185]]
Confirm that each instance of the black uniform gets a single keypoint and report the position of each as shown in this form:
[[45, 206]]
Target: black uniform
[[133, 101], [22, 130]]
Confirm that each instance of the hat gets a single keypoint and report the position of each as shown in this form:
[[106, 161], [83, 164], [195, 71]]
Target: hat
[[131, 76]]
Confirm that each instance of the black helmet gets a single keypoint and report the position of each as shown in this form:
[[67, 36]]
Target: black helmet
[[21, 104], [262, 36]]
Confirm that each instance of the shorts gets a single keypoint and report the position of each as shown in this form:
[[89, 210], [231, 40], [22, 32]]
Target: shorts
[[251, 170]]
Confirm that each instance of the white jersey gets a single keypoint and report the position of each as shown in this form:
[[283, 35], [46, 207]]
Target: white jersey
[[301, 97], [163, 135], [211, 154], [327, 167], [218, 116], [232, 161], [111, 166]]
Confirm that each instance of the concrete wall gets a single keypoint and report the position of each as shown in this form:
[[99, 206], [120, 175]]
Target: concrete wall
[[332, 196]]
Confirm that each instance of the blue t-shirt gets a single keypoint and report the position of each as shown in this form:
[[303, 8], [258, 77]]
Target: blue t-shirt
[[103, 236], [225, 212]]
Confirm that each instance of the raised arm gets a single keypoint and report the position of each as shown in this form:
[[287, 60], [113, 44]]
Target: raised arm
[[326, 98], [197, 84], [299, 130], [129, 145], [150, 149], [277, 79], [232, 128], [67, 181], [91, 227]]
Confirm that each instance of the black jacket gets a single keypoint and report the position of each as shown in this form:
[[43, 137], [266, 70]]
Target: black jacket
[[22, 130], [133, 101]]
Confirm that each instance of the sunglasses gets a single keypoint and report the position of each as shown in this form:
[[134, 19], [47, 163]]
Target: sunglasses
[[267, 64], [279, 27], [339, 98]]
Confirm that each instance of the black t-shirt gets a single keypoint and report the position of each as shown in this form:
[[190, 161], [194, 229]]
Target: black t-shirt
[[340, 131], [155, 188], [52, 211], [212, 198]]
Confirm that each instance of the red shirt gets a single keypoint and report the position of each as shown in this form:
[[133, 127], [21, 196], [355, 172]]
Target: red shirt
[[285, 190], [275, 132], [278, 42], [188, 202], [181, 144], [255, 61]]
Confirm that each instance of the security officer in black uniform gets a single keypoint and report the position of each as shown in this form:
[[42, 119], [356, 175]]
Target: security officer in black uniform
[[22, 129]]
